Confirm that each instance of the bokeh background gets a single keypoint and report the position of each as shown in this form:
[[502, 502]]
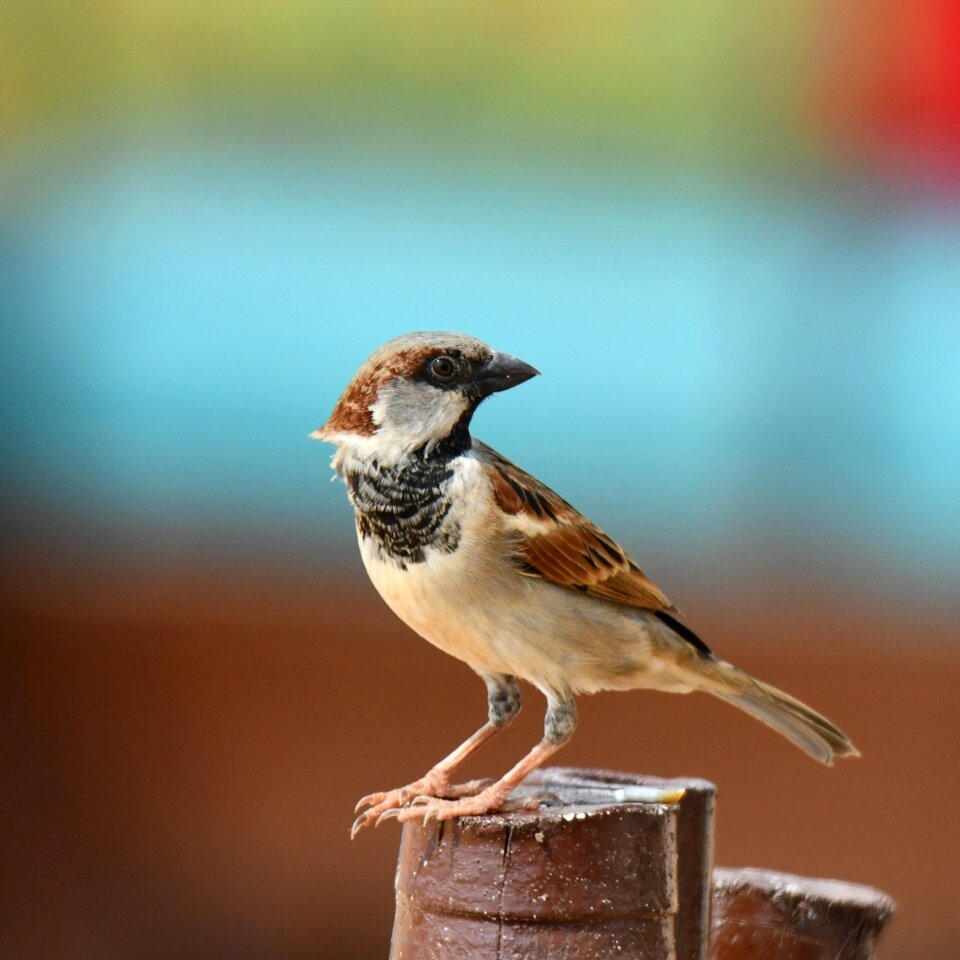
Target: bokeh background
[[727, 235]]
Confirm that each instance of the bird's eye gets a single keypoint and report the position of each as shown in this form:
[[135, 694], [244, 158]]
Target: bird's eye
[[443, 368]]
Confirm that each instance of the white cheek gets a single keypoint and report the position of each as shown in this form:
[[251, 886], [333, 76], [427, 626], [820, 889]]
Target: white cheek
[[409, 415]]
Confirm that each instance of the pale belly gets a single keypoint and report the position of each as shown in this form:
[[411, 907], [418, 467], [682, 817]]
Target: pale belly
[[442, 601], [513, 625]]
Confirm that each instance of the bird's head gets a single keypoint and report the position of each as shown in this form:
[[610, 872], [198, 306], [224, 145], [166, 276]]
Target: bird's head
[[417, 391]]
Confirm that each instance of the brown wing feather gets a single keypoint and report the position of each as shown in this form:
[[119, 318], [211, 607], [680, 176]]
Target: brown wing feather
[[570, 551]]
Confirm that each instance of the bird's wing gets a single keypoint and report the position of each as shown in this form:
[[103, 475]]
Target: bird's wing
[[556, 543]]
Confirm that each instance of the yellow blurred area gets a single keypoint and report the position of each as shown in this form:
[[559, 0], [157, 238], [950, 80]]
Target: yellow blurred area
[[691, 79]]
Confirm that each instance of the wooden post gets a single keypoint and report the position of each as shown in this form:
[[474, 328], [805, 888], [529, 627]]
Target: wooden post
[[760, 914], [604, 871]]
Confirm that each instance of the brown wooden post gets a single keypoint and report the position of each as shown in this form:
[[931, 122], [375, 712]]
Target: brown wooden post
[[604, 872], [760, 914]]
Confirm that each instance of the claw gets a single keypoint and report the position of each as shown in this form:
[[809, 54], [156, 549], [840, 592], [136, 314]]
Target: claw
[[358, 825], [374, 815], [370, 800], [387, 815]]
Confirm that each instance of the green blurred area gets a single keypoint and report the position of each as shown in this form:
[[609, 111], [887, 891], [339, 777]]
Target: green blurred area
[[697, 80]]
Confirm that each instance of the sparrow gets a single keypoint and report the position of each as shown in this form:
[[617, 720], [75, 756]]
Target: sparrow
[[490, 565]]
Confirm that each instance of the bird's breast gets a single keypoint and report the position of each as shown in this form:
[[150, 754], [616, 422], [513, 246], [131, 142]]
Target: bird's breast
[[435, 566]]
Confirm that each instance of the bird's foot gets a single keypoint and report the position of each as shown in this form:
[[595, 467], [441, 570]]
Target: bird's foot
[[433, 785], [490, 800]]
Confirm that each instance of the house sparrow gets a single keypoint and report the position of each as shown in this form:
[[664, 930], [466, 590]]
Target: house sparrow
[[491, 566]]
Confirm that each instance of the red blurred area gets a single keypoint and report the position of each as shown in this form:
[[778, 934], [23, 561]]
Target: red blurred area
[[888, 83], [184, 748]]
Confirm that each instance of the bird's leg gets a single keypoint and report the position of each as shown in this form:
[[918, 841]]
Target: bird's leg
[[503, 704], [558, 727]]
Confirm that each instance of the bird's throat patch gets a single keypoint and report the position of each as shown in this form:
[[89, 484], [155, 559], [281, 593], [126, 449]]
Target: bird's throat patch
[[404, 508]]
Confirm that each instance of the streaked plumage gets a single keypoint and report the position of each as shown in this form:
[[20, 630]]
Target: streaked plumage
[[493, 567]]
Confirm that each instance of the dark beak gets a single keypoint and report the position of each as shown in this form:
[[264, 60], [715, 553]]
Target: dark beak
[[501, 372]]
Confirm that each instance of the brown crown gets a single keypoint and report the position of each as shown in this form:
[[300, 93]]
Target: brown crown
[[352, 414]]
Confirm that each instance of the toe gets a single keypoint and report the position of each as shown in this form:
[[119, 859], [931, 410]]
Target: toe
[[370, 800], [470, 788], [413, 812]]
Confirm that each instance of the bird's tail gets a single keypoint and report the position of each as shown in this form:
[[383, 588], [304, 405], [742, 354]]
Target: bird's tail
[[795, 720]]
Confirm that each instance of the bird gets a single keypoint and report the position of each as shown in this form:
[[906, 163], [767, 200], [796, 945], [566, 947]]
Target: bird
[[491, 566]]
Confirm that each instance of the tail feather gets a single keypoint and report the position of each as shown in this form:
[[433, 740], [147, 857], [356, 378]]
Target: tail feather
[[803, 726]]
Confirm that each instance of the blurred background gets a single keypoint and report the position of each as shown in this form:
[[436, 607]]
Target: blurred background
[[729, 237]]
